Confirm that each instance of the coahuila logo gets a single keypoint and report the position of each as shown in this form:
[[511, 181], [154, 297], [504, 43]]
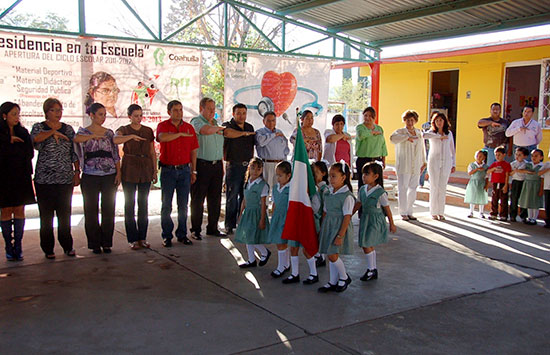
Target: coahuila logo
[[159, 55]]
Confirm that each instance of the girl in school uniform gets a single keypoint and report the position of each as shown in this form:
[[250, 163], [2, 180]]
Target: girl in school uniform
[[283, 173], [320, 174], [336, 235], [374, 204], [253, 225], [531, 191], [476, 190]]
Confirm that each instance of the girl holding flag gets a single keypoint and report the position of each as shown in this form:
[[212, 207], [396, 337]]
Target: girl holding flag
[[336, 230]]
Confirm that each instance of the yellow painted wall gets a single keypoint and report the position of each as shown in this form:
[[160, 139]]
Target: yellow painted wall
[[406, 86]]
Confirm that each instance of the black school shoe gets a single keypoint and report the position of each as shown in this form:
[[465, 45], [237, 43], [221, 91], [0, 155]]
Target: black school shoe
[[276, 273], [372, 276], [311, 280], [264, 261], [345, 286], [185, 241], [248, 264], [327, 288], [291, 279], [167, 243], [217, 233], [320, 261]]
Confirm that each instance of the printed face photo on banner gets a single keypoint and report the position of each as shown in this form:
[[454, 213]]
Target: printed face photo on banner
[[283, 86], [80, 72]]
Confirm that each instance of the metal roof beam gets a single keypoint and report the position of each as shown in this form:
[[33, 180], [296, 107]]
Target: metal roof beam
[[304, 6], [529, 21], [437, 9]]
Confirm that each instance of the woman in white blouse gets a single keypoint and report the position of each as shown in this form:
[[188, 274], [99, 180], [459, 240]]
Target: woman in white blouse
[[337, 146], [441, 162], [410, 161]]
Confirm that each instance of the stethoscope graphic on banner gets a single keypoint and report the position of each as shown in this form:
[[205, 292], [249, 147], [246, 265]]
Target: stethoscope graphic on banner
[[266, 104]]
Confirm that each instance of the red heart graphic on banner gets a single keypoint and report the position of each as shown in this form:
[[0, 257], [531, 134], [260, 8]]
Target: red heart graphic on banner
[[280, 88]]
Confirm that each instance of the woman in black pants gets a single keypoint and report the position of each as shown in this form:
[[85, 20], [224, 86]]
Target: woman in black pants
[[100, 163], [57, 172]]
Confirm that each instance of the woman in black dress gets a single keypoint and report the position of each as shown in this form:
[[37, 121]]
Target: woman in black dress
[[16, 153]]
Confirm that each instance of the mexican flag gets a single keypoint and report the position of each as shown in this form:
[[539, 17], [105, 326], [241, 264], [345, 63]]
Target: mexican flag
[[300, 224]]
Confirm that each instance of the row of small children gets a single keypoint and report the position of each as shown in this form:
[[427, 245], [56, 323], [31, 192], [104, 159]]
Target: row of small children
[[333, 206], [530, 182]]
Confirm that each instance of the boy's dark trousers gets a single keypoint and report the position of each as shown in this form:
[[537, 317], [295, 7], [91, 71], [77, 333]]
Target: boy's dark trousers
[[515, 192], [499, 195], [547, 206]]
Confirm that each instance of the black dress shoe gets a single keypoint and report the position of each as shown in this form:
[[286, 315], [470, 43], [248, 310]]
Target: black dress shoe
[[167, 243], [217, 233], [370, 275], [311, 280], [107, 250], [229, 231], [276, 273], [327, 288], [345, 286], [264, 261], [292, 279], [96, 250], [320, 261], [248, 264], [196, 236], [185, 241]]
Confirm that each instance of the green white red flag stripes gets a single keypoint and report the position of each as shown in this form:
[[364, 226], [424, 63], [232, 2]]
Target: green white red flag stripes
[[300, 223]]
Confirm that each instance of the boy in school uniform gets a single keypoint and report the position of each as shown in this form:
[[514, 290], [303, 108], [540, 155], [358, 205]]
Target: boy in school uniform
[[500, 171], [517, 183]]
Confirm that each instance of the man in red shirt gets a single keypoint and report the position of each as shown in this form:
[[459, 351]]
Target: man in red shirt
[[178, 161], [499, 170]]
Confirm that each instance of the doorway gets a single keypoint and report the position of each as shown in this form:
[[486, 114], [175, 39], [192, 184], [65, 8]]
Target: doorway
[[444, 95], [521, 87]]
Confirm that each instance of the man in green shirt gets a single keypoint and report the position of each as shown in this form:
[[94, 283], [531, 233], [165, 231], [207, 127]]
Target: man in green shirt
[[209, 171]]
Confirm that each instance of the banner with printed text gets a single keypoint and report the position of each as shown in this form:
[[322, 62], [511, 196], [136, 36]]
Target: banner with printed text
[[80, 72], [281, 85]]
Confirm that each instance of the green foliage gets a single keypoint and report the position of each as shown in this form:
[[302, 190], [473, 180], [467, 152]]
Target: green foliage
[[355, 95], [50, 21]]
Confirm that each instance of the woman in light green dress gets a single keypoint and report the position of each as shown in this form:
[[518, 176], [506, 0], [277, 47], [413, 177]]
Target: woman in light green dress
[[253, 225], [476, 190], [531, 191], [374, 204], [336, 236]]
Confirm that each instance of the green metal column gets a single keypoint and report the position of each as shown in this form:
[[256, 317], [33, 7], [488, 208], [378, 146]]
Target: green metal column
[[81, 17]]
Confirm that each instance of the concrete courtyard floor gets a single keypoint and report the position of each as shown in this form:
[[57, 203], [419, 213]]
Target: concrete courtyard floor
[[445, 287]]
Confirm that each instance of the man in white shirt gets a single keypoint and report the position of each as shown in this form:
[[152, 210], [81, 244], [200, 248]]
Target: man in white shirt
[[526, 131]]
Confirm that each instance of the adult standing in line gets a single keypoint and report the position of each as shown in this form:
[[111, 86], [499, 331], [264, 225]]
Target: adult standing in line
[[441, 162], [178, 163], [337, 146], [370, 144], [100, 163], [271, 146], [209, 171], [312, 137], [425, 127], [494, 133], [57, 172], [410, 161], [526, 131], [16, 191], [139, 169], [238, 149]]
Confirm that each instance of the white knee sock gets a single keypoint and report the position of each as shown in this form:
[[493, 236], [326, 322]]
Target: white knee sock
[[283, 260], [312, 266], [250, 250], [532, 213], [341, 268], [295, 262], [481, 208], [333, 273], [371, 260], [472, 208], [262, 249]]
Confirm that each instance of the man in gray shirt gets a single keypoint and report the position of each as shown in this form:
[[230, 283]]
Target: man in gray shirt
[[494, 128]]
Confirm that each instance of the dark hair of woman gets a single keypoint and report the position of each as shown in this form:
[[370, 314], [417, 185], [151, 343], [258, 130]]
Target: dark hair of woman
[[446, 125], [132, 108]]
